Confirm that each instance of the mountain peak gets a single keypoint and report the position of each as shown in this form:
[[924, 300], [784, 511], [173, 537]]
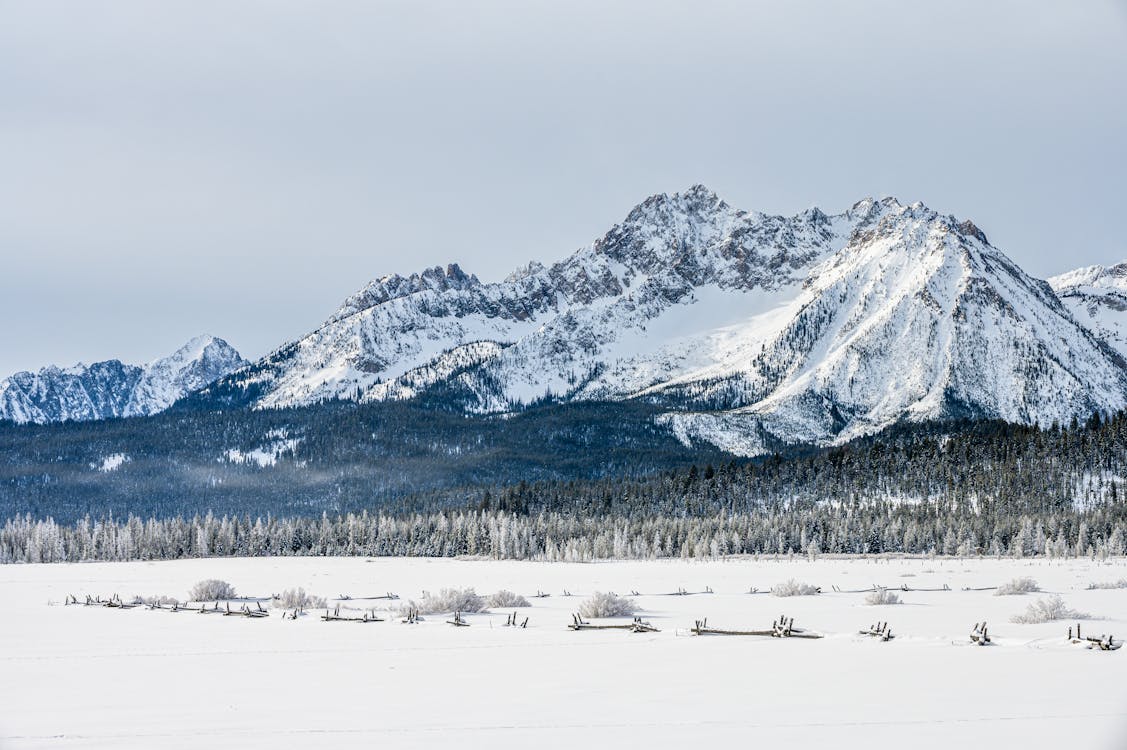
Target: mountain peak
[[393, 286], [197, 347], [888, 213], [968, 227], [202, 360], [696, 201], [700, 193], [869, 202], [1114, 276]]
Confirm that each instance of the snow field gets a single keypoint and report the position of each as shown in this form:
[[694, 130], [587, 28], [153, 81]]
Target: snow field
[[91, 677]]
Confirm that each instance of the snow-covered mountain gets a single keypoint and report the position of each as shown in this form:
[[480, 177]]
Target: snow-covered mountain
[[551, 330], [1097, 298], [918, 318], [746, 327], [113, 388]]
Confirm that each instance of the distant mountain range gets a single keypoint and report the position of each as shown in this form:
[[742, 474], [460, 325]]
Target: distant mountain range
[[744, 330], [113, 388]]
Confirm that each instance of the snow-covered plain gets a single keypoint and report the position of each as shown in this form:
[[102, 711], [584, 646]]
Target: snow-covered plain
[[85, 677]]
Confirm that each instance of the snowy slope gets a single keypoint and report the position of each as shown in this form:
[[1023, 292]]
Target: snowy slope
[[749, 328], [1097, 298], [113, 388]]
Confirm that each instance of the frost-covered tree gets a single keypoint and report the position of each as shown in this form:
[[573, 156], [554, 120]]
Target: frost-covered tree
[[448, 600], [1048, 609], [504, 599], [607, 604], [881, 596], [794, 588], [296, 598], [211, 589], [1022, 585]]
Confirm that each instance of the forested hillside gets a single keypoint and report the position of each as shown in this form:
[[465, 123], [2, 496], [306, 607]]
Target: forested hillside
[[333, 457], [951, 488], [954, 468]]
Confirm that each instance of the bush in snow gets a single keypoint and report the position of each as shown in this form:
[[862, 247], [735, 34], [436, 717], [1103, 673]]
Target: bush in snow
[[505, 599], [211, 590], [1120, 584], [607, 604], [1023, 585], [794, 588], [1046, 610], [448, 600], [881, 596], [298, 599], [158, 601]]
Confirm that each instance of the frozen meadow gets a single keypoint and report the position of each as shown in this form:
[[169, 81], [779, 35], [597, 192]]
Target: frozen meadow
[[96, 677]]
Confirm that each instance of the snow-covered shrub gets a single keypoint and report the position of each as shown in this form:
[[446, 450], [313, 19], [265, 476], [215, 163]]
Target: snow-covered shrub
[[158, 601], [607, 604], [211, 590], [1046, 610], [448, 600], [297, 599], [505, 599], [1024, 585], [881, 596], [794, 588], [1120, 584]]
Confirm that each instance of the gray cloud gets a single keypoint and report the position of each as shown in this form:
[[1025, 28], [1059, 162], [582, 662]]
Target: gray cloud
[[168, 169]]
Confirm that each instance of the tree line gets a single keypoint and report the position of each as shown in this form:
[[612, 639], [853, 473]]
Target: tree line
[[554, 536]]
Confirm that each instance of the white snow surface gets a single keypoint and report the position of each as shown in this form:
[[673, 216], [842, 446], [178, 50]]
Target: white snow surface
[[111, 462], [279, 444], [91, 677], [263, 456]]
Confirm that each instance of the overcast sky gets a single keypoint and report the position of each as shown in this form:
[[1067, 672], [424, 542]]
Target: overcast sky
[[238, 168]]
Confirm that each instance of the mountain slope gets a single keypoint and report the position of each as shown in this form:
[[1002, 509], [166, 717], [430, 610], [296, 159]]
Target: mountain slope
[[113, 388], [1097, 298], [749, 329], [919, 318]]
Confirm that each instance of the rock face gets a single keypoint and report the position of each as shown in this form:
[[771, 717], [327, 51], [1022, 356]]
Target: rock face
[[1097, 298], [113, 388], [746, 327]]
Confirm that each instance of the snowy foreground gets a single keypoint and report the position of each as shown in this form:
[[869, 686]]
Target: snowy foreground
[[83, 677]]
